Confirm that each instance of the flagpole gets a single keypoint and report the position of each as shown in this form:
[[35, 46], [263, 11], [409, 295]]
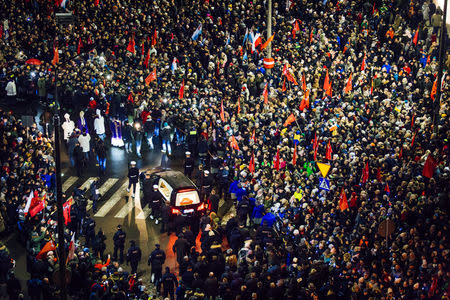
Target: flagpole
[[442, 39], [269, 31]]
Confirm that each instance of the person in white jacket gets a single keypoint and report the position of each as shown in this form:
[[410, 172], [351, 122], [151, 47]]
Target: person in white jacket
[[11, 92], [68, 126], [99, 125], [84, 140]]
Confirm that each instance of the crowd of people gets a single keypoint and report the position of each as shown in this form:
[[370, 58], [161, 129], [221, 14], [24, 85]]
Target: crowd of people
[[353, 86]]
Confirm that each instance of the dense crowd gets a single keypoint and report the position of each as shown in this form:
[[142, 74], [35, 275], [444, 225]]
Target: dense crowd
[[289, 239]]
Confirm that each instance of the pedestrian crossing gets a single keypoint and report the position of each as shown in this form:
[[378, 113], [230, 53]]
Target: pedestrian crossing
[[115, 201]]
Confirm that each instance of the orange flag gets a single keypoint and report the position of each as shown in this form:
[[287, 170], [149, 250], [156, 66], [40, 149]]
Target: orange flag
[[266, 95], [289, 75], [343, 203], [348, 87], [50, 246], [147, 58], [150, 77], [305, 101], [154, 38], [283, 88], [329, 92], [363, 65], [303, 82], [416, 37], [269, 40], [234, 143], [181, 91], [295, 29], [55, 59], [289, 120], [329, 150], [251, 165], [434, 90], [371, 87], [222, 113], [326, 83]]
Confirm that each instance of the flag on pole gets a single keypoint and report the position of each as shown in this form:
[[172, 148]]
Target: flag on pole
[[66, 210], [197, 32], [303, 82], [61, 3], [256, 40], [49, 246], [343, 203], [269, 40], [38, 205], [413, 139], [234, 144], [147, 58], [154, 38], [305, 101], [181, 91], [131, 45], [222, 112], [142, 48], [429, 166], [365, 173], [329, 151], [130, 97], [289, 120], [363, 65], [289, 75], [348, 87], [251, 165], [55, 59], [326, 82], [29, 200], [329, 92], [371, 87], [96, 3], [266, 94], [253, 138], [434, 90], [80, 45], [416, 37], [295, 29], [71, 253], [283, 88], [386, 189], [294, 156], [151, 77]]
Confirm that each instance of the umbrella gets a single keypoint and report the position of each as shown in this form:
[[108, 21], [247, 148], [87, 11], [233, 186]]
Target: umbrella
[[34, 61]]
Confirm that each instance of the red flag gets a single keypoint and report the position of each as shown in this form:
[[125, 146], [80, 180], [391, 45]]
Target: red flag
[[66, 210], [234, 143], [433, 287], [315, 152], [386, 188], [329, 151], [269, 40], [303, 82], [434, 90], [294, 156], [283, 88], [254, 136], [71, 254], [416, 36], [289, 120], [379, 178], [373, 8], [363, 65], [295, 29], [251, 165], [131, 46], [143, 48], [222, 113], [311, 36], [371, 87], [289, 75], [154, 38], [348, 87], [55, 59], [429, 166], [130, 98], [266, 94], [315, 140], [80, 45], [181, 91], [96, 3], [412, 120], [147, 58], [151, 77], [276, 162], [365, 174], [305, 101], [39, 205], [239, 105], [326, 83], [50, 246], [343, 203]]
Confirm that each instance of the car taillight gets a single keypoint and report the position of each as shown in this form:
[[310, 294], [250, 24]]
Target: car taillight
[[201, 206], [175, 211]]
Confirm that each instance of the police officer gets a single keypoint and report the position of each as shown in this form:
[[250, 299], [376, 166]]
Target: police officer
[[207, 183], [191, 140], [147, 188], [170, 282], [155, 202], [88, 229], [242, 210], [94, 194], [156, 259], [119, 243], [188, 164], [133, 177], [134, 257]]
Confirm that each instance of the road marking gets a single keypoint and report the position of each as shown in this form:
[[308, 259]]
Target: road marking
[[126, 209], [121, 192], [144, 213], [87, 183], [69, 182], [102, 190]]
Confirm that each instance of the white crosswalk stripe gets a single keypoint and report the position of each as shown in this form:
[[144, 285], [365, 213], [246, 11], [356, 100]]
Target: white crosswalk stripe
[[126, 209], [121, 192], [144, 213], [103, 189], [69, 182]]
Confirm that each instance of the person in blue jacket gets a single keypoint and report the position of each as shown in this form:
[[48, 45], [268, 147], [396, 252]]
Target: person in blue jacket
[[258, 213]]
